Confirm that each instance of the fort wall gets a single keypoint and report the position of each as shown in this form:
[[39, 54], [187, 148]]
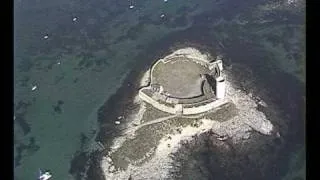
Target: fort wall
[[191, 108], [203, 108], [179, 107], [156, 104]]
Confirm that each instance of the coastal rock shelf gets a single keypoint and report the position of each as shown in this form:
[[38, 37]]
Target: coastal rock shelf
[[182, 95]]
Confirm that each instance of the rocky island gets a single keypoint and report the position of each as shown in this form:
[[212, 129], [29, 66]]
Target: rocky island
[[181, 96]]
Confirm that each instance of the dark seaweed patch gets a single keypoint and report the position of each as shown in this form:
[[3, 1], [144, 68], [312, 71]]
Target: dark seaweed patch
[[30, 149], [83, 140], [75, 80], [20, 110], [22, 106], [78, 165], [57, 108], [21, 121], [95, 172], [60, 102], [82, 160], [17, 159]]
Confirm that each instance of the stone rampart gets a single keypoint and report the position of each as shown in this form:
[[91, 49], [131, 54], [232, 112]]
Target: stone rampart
[[185, 110], [203, 108], [156, 104]]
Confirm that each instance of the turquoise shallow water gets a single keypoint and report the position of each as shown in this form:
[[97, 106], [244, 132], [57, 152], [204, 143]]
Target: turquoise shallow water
[[80, 65], [83, 62]]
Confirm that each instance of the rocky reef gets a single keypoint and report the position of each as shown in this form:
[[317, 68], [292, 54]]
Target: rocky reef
[[149, 140]]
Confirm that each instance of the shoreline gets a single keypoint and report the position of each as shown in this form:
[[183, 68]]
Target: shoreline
[[162, 154], [134, 76]]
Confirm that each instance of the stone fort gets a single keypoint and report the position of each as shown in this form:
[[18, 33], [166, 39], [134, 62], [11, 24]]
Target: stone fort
[[185, 85]]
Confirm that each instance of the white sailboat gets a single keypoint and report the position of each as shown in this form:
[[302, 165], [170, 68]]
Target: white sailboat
[[44, 176]]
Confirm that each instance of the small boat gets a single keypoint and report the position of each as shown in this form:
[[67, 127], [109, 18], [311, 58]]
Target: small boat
[[44, 176], [34, 88]]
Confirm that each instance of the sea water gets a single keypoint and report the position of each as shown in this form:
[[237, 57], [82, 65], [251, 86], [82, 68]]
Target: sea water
[[77, 65]]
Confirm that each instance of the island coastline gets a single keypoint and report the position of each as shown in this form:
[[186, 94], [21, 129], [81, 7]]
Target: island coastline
[[125, 95]]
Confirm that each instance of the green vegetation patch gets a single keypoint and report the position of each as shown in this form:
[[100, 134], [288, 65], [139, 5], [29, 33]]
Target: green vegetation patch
[[146, 140], [134, 150]]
